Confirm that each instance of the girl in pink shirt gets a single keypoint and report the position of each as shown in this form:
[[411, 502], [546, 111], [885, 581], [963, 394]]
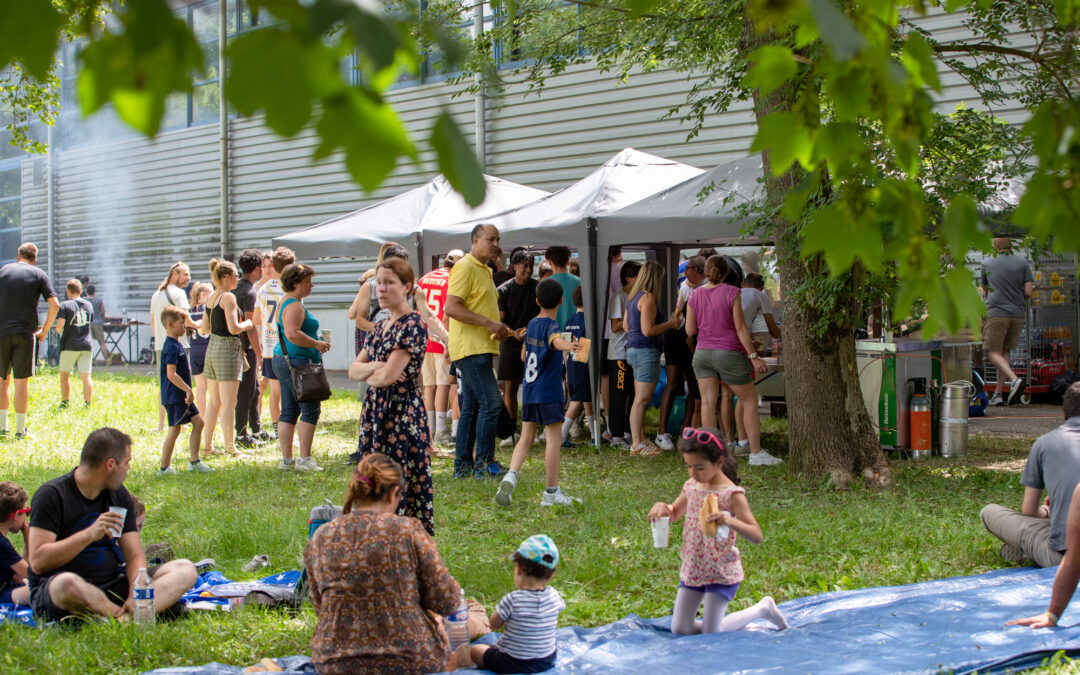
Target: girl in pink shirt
[[711, 566]]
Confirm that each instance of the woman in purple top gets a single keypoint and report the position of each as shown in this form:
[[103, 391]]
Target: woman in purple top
[[714, 314], [645, 328]]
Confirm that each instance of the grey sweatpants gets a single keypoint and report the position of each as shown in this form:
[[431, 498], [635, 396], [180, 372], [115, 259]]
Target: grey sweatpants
[[1027, 534]]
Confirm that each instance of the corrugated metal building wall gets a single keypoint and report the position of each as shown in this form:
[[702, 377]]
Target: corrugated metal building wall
[[127, 210]]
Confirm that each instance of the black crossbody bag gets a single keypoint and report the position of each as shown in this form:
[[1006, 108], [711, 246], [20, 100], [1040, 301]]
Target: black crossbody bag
[[310, 384]]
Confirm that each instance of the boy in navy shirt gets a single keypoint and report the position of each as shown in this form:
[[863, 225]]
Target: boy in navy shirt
[[577, 374], [177, 395], [13, 568], [542, 395]]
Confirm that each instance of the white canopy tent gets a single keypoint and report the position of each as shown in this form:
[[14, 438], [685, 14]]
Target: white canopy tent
[[360, 234], [634, 198], [558, 218]]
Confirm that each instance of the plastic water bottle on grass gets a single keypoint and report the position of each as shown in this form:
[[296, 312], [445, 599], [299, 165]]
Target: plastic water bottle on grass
[[457, 625], [144, 599]]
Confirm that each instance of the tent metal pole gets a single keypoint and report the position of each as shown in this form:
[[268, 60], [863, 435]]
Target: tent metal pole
[[595, 328]]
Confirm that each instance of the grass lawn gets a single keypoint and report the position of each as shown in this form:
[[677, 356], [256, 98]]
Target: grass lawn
[[816, 539]]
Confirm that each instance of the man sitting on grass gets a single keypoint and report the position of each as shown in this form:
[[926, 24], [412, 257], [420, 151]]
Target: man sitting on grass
[[1038, 532], [79, 546]]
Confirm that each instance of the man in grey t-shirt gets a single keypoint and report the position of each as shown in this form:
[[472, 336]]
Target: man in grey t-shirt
[[1007, 283], [1038, 531]]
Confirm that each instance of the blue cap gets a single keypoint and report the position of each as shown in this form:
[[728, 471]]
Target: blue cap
[[541, 550]]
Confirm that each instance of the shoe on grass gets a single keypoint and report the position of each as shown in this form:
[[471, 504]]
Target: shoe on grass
[[257, 563], [62, 405], [307, 464], [443, 437], [509, 441], [664, 442], [490, 470], [506, 492], [558, 498], [1016, 388], [742, 449], [198, 467], [263, 436], [204, 565], [566, 443], [286, 464], [166, 471], [763, 458], [246, 442], [1011, 554], [618, 444], [997, 400], [353, 459], [463, 470]]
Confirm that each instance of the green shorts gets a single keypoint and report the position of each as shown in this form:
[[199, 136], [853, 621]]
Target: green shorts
[[79, 361], [731, 367]]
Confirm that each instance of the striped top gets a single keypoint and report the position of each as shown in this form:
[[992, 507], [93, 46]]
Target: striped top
[[530, 618]]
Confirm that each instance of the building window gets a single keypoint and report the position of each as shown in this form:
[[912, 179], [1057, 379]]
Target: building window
[[181, 110], [11, 159]]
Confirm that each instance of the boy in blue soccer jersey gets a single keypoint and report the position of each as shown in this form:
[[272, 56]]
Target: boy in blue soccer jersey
[[542, 395]]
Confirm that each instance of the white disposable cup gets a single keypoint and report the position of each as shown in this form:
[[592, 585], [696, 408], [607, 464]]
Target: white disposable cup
[[660, 532], [722, 532], [123, 516]]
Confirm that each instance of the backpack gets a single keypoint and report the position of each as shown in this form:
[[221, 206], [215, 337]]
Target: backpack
[[320, 515]]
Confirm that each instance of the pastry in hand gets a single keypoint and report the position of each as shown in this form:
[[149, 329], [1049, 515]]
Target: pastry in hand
[[708, 508]]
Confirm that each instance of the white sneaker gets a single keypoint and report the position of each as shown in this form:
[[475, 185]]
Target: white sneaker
[[166, 471], [663, 441], [443, 437], [763, 458], [286, 464], [509, 442], [557, 498], [199, 467], [307, 464], [506, 492]]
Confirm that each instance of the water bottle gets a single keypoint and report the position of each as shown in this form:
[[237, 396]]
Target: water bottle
[[144, 599], [457, 625]]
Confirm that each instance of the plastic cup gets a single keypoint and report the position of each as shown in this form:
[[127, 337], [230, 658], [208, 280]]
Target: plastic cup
[[722, 532], [660, 532], [123, 516], [324, 334]]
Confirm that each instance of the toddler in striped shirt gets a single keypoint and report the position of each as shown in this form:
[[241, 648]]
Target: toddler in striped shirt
[[527, 616]]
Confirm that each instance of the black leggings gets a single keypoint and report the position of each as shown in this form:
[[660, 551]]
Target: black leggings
[[621, 388]]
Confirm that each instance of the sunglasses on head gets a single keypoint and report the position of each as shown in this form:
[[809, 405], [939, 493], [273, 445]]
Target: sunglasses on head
[[19, 512], [701, 436]]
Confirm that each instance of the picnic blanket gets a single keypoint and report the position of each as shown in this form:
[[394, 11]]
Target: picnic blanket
[[949, 624], [215, 583]]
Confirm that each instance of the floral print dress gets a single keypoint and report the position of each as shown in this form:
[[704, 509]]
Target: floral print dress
[[712, 560], [394, 420]]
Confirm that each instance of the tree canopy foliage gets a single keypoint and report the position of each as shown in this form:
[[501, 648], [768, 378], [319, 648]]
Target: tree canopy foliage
[[289, 71], [886, 183]]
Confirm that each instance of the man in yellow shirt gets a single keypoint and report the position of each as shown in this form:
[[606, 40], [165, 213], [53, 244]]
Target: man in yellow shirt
[[472, 305]]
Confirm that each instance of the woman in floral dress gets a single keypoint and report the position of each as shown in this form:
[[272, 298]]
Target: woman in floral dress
[[394, 421]]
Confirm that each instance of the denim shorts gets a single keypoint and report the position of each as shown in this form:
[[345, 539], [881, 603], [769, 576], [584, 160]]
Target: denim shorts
[[645, 361], [730, 366]]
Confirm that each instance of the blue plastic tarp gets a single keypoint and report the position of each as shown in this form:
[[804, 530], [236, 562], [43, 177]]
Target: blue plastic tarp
[[946, 625]]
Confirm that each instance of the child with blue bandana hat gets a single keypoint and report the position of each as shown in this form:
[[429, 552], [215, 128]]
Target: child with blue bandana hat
[[527, 616]]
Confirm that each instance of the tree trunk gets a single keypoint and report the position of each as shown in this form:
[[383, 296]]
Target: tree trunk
[[829, 430]]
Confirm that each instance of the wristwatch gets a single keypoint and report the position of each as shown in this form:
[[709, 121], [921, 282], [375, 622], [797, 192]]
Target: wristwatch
[[753, 355]]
